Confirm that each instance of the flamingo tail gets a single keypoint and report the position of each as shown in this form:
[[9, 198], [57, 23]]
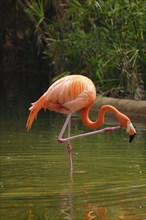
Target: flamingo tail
[[34, 109]]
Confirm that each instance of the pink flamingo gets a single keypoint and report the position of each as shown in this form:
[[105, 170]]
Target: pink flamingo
[[70, 94]]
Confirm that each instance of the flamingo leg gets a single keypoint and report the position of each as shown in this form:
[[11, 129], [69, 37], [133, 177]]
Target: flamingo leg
[[104, 130], [67, 123], [64, 127], [69, 148], [69, 138]]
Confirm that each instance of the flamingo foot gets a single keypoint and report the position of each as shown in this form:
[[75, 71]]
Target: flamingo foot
[[110, 129], [60, 140]]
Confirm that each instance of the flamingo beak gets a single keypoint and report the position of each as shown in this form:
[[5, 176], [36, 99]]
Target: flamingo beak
[[131, 137], [131, 130]]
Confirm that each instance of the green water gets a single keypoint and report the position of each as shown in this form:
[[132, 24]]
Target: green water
[[108, 181]]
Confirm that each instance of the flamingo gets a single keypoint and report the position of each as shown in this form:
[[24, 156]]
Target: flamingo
[[70, 94]]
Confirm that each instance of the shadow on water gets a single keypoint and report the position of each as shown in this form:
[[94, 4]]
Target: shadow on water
[[108, 177]]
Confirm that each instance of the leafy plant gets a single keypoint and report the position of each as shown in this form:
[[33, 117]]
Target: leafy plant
[[101, 39]]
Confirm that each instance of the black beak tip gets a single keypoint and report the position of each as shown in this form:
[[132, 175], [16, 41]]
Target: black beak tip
[[131, 138]]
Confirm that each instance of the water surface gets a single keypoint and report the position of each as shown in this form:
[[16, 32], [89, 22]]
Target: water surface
[[108, 181]]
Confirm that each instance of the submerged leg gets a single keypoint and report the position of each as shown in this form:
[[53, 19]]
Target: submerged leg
[[69, 148]]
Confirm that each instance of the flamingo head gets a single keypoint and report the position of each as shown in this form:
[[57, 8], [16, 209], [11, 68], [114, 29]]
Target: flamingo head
[[131, 131]]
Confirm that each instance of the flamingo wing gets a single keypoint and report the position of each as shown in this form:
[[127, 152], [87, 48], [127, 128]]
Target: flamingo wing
[[68, 94], [71, 93]]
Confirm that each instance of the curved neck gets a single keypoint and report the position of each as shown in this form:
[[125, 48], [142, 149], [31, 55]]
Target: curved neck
[[84, 114]]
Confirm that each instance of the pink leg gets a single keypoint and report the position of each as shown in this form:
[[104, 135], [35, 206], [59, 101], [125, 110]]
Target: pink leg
[[64, 127], [69, 149], [104, 130]]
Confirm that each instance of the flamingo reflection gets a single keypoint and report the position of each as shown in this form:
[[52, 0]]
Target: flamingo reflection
[[96, 212]]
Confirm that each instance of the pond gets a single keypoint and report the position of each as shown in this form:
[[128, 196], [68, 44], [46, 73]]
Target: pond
[[108, 180]]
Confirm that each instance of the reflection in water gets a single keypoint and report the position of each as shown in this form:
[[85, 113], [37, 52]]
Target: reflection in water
[[30, 215], [95, 211], [66, 207]]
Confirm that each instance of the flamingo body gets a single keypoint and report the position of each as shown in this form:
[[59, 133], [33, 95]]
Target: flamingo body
[[70, 94]]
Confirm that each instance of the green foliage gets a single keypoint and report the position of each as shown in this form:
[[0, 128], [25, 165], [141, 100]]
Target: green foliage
[[37, 10], [101, 39]]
